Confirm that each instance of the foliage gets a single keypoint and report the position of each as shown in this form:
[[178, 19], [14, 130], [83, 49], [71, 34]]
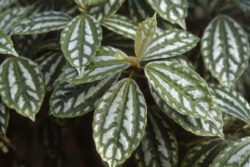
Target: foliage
[[148, 72]]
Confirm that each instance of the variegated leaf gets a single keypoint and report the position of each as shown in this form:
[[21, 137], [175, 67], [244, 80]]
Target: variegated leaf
[[203, 154], [174, 11], [119, 122], [181, 88], [231, 102], [107, 61], [170, 43], [51, 65], [244, 5], [120, 25], [10, 17], [225, 49], [21, 86], [5, 3], [70, 100], [42, 23], [80, 40], [201, 127], [4, 119], [105, 9], [159, 146], [236, 154], [144, 36], [139, 10], [6, 44]]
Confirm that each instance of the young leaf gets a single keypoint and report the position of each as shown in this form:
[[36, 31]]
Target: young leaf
[[10, 17], [203, 154], [170, 43], [6, 44], [144, 36], [104, 9], [159, 146], [236, 154], [174, 11], [21, 86], [225, 49], [69, 100], [231, 102], [201, 127], [42, 23], [80, 40], [4, 119], [119, 122], [120, 25], [51, 65], [107, 61], [181, 88]]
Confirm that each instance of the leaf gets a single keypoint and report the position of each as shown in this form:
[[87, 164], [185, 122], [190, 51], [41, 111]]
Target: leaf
[[107, 61], [104, 9], [170, 43], [236, 154], [21, 86], [225, 49], [139, 10], [119, 122], [201, 127], [70, 100], [80, 40], [231, 102], [120, 25], [244, 5], [144, 36], [4, 119], [203, 154], [5, 3], [42, 23], [6, 44], [174, 11], [181, 88], [51, 65], [10, 17], [94, 2], [159, 145]]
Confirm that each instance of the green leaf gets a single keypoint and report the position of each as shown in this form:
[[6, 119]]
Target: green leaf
[[170, 43], [120, 25], [231, 102], [104, 9], [5, 3], [225, 49], [181, 88], [119, 122], [51, 65], [80, 40], [159, 146], [4, 119], [174, 11], [201, 127], [139, 10], [203, 154], [244, 5], [6, 44], [10, 17], [144, 36], [70, 100], [94, 2], [107, 61], [42, 23], [21, 86], [236, 154]]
